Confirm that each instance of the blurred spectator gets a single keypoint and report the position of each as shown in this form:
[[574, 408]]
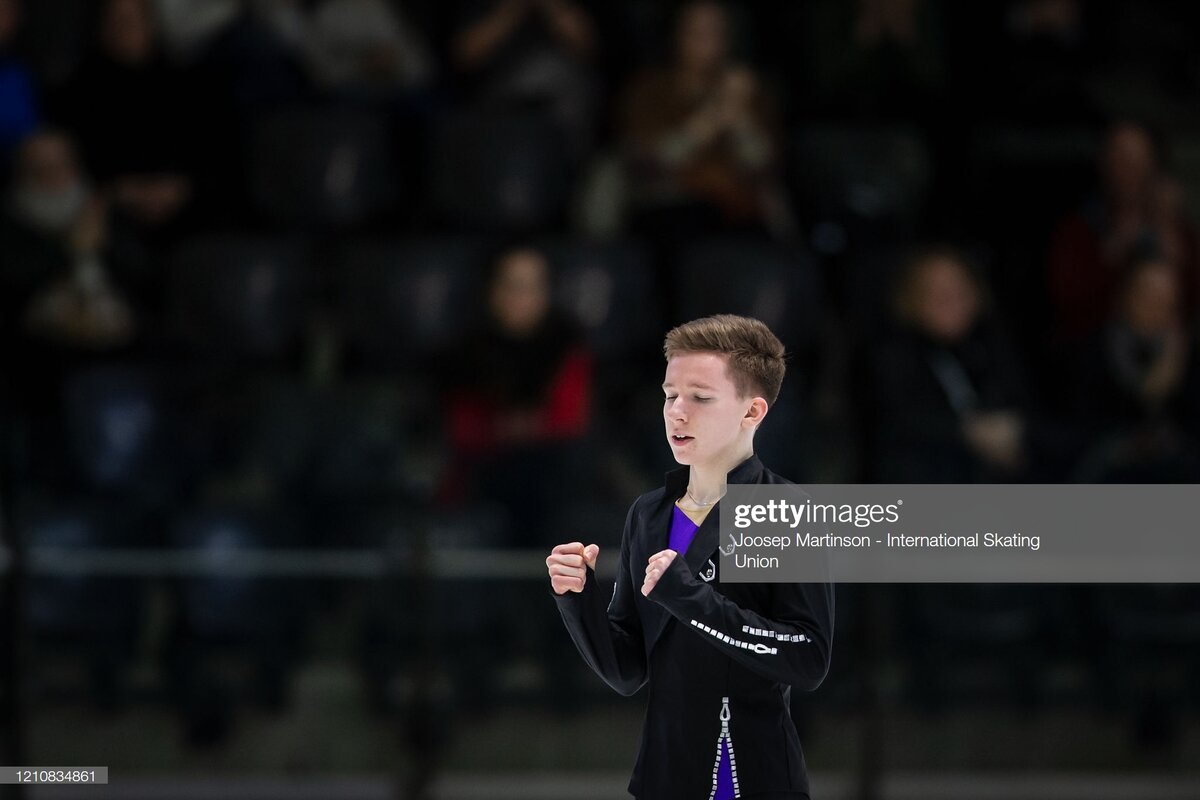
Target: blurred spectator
[[129, 110], [947, 393], [1137, 214], [366, 46], [1136, 390], [55, 253], [519, 393], [18, 105], [699, 136], [531, 54]]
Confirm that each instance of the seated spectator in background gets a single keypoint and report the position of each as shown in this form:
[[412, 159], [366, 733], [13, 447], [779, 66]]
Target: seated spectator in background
[[366, 47], [1137, 385], [698, 136], [519, 395], [56, 255], [1138, 214], [18, 99], [947, 393], [530, 54], [128, 109]]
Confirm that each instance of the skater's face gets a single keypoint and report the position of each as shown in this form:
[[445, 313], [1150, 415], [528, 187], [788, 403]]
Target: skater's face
[[706, 420]]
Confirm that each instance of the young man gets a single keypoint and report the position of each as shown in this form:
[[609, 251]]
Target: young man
[[720, 658]]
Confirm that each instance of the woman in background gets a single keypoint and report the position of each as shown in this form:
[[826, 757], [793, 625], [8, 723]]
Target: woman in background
[[518, 394]]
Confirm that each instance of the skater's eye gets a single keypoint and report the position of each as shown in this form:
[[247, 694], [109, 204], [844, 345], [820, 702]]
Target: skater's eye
[[672, 396], [700, 399]]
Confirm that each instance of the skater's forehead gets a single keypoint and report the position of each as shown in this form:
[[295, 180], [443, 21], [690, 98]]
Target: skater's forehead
[[697, 370]]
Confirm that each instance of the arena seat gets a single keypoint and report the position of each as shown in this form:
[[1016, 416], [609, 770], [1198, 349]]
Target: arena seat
[[399, 302], [609, 288], [329, 168], [857, 183], [777, 284], [499, 171], [240, 298]]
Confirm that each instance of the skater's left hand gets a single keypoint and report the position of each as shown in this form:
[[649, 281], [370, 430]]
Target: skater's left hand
[[655, 567]]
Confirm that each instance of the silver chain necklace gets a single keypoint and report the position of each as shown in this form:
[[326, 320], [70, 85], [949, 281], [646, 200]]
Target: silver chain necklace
[[697, 502]]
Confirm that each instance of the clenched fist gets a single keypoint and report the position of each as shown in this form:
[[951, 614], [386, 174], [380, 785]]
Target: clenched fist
[[568, 565]]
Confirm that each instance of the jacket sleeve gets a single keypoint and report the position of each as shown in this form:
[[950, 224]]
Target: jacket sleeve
[[792, 646], [609, 638]]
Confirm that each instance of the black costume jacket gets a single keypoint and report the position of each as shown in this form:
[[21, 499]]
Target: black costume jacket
[[720, 658]]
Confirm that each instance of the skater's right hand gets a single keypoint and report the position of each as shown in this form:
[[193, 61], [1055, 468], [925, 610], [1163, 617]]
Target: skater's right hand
[[568, 565]]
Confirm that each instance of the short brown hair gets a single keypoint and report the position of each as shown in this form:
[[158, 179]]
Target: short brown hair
[[756, 356]]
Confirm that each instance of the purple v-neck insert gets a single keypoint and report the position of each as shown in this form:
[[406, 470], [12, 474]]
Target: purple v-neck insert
[[683, 530]]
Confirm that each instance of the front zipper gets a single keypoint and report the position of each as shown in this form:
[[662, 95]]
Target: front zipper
[[725, 738]]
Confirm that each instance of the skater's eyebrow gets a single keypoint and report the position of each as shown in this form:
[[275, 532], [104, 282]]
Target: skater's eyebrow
[[692, 385]]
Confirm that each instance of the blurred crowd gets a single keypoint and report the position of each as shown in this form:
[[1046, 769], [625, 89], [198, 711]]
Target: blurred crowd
[[342, 261]]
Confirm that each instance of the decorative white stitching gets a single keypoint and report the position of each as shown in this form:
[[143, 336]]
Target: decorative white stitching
[[779, 635], [757, 647]]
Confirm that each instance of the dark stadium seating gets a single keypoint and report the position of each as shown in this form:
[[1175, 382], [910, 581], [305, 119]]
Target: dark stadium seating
[[369, 442], [65, 604], [398, 302], [233, 606], [1144, 644], [499, 171], [328, 168], [117, 426], [237, 298], [778, 284], [856, 183], [609, 288], [232, 615], [89, 619], [984, 644]]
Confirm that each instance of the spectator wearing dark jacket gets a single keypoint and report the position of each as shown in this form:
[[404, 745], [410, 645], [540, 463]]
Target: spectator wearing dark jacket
[[1137, 384], [947, 393]]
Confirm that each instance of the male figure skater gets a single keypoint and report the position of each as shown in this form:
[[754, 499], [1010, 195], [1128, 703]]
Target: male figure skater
[[720, 658]]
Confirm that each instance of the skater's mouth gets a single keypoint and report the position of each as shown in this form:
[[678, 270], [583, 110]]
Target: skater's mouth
[[680, 438]]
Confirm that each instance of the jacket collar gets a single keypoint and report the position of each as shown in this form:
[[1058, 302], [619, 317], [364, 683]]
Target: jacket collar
[[676, 480], [705, 542]]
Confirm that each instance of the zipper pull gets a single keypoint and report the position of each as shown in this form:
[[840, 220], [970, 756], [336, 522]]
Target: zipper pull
[[725, 712]]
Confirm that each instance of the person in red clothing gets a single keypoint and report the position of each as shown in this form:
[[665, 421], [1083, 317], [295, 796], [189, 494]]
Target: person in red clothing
[[1138, 214], [519, 393]]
